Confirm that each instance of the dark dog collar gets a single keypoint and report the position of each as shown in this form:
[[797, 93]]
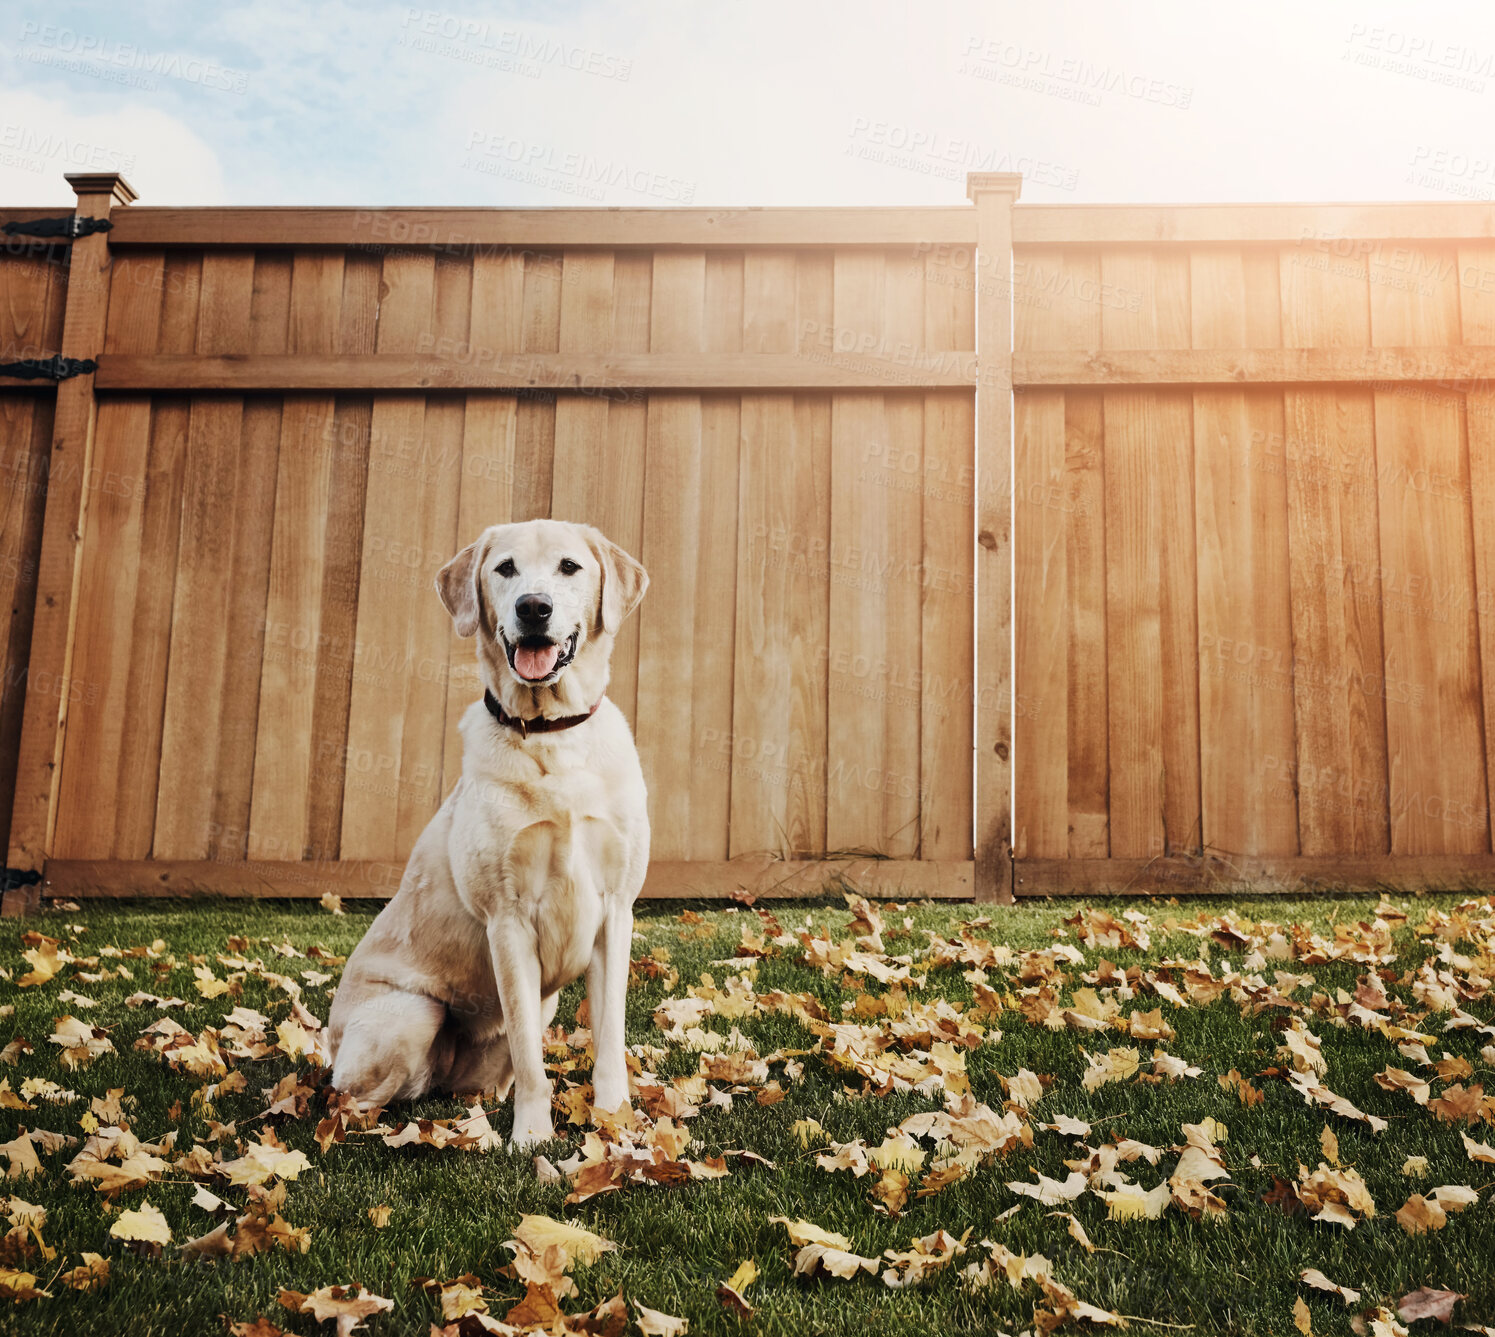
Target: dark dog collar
[[537, 725]]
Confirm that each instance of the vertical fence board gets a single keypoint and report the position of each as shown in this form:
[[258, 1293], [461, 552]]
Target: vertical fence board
[[775, 750], [200, 640], [994, 194], [672, 702], [387, 604], [1152, 643], [947, 687], [1088, 741], [485, 495], [1245, 624], [1438, 794], [1476, 268], [253, 524], [25, 445], [1328, 455]]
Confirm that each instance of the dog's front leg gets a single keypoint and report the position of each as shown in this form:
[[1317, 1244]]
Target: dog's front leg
[[516, 969], [607, 990]]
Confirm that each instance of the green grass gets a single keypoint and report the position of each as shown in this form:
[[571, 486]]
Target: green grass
[[452, 1210]]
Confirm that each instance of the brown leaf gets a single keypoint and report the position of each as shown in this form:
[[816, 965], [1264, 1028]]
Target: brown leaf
[[1459, 1103], [92, 1275], [1427, 1302], [261, 1327], [1419, 1215], [345, 1304], [538, 1309], [1330, 1144], [1244, 1091]]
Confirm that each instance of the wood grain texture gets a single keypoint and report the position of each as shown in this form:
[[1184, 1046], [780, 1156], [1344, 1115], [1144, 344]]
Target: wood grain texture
[[776, 749], [1340, 688], [109, 584], [1438, 799], [25, 444], [518, 228], [1151, 627], [190, 762], [947, 633], [994, 557], [1476, 267], [1056, 306], [353, 879], [873, 776], [689, 518], [395, 522], [70, 459], [570, 372], [1245, 622], [1348, 365]]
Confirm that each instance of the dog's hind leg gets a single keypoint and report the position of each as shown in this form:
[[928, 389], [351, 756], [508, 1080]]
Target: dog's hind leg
[[388, 1048]]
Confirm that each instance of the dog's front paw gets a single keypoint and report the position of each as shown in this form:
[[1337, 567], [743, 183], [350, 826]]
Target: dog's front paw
[[524, 1138], [530, 1127]]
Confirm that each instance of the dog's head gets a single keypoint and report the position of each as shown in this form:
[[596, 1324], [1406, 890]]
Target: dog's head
[[544, 599]]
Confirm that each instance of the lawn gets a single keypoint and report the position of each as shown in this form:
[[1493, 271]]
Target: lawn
[[825, 1046]]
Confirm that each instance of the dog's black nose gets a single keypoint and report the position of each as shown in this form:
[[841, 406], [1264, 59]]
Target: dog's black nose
[[533, 608]]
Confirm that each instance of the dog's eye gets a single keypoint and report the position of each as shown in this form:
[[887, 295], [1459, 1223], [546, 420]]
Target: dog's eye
[[568, 567], [506, 568]]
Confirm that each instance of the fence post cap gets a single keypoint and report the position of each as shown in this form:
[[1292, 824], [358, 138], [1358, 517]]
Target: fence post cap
[[102, 183], [981, 183]]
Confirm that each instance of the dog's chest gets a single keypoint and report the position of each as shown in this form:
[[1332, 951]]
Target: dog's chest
[[561, 838]]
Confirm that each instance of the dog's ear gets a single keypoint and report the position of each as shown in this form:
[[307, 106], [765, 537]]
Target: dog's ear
[[457, 584], [624, 580]]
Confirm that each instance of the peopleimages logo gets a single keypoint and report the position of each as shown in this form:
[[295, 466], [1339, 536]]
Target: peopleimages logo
[[53, 45], [999, 60], [498, 154], [528, 53], [932, 152]]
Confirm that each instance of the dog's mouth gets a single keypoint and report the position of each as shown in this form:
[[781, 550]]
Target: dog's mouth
[[538, 659]]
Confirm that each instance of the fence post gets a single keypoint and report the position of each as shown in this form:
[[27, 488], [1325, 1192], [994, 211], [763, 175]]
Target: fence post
[[49, 670], [994, 194]]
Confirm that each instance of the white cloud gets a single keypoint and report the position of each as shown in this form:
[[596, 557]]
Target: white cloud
[[42, 137]]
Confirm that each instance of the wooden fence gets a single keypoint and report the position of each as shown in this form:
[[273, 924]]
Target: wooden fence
[[1255, 523], [1215, 472], [299, 415]]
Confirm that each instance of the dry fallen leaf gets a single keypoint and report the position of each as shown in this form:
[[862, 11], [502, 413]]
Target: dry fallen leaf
[[1311, 1276], [380, 1215], [654, 1324], [1427, 1302], [91, 1275], [838, 1262], [730, 1292], [146, 1225], [18, 1286], [347, 1306], [578, 1245]]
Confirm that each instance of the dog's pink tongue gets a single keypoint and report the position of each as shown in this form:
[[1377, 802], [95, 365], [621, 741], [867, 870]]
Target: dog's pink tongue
[[535, 662]]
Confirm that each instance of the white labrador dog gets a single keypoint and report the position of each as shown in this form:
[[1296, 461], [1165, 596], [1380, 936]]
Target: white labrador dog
[[527, 874]]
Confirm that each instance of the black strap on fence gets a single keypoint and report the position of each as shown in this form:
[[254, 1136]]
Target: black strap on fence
[[20, 877], [70, 227], [49, 368]]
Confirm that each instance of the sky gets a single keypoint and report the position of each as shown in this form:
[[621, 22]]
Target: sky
[[282, 102]]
